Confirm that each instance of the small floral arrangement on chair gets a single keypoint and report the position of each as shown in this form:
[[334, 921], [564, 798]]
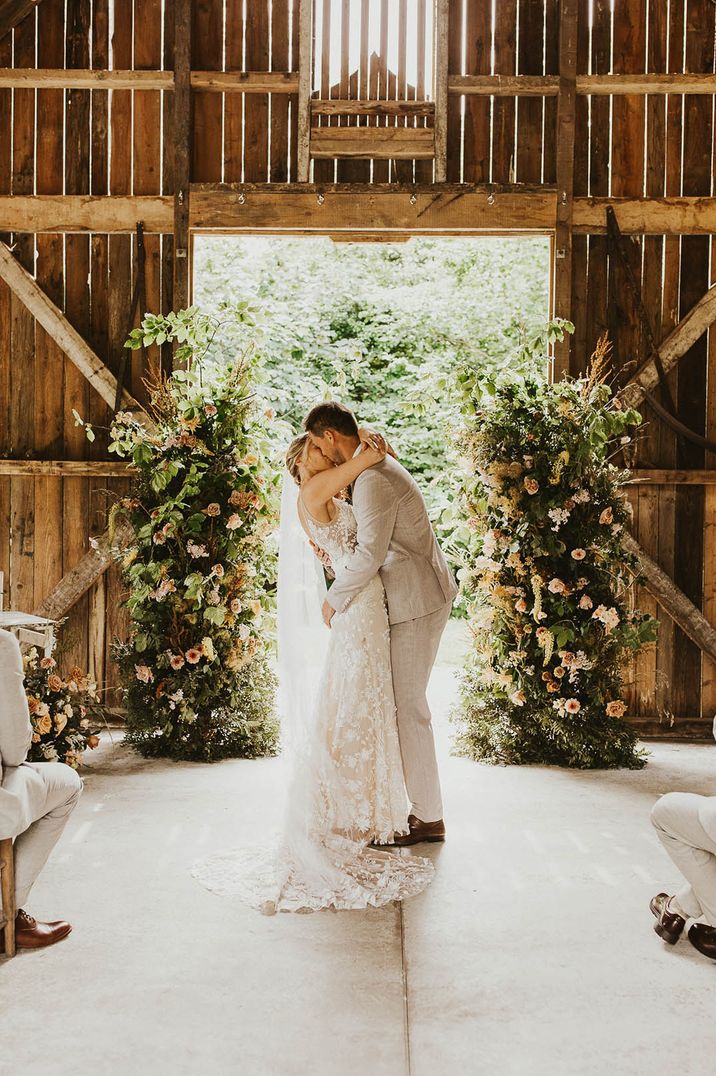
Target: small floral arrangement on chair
[[65, 711]]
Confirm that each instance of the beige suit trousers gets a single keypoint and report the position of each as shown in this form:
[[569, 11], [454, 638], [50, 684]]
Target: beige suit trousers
[[686, 826], [413, 647]]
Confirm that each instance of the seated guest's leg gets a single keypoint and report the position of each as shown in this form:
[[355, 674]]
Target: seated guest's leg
[[63, 786], [677, 818]]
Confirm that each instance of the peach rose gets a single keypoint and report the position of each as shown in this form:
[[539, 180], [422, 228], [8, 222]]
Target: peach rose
[[217, 570], [213, 509], [578, 554], [607, 516], [47, 663], [233, 522], [44, 725], [60, 722], [616, 708], [144, 673], [92, 742], [176, 661], [573, 706], [54, 682], [531, 485], [193, 655]]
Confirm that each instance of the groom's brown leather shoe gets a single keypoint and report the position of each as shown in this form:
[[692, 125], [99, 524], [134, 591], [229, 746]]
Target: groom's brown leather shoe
[[431, 832], [703, 938], [668, 924], [29, 934]]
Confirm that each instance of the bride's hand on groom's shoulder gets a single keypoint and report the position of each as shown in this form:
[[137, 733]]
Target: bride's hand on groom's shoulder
[[372, 440]]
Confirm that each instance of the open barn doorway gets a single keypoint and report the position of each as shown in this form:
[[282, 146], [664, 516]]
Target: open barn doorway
[[381, 326]]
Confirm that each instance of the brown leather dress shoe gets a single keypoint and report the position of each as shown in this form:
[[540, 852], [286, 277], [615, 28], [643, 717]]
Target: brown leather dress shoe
[[703, 938], [29, 934], [430, 832], [669, 925]]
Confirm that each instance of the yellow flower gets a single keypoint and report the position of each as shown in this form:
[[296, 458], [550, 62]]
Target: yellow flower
[[60, 722], [250, 460], [207, 645], [255, 606], [44, 724]]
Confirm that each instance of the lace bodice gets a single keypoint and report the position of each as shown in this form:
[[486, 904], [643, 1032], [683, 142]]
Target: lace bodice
[[337, 538]]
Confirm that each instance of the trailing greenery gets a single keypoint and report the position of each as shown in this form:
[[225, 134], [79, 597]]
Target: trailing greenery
[[201, 569], [545, 572]]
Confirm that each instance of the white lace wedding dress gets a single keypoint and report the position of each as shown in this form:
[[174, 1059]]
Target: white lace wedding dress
[[347, 786]]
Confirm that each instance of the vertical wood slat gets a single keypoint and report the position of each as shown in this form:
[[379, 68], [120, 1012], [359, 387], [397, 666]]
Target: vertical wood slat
[[181, 169], [256, 105], [424, 169], [476, 137], [279, 103], [708, 685], [5, 325], [691, 391], [22, 347], [551, 67], [503, 109], [597, 278], [234, 102], [565, 179], [304, 89], [76, 505], [49, 361], [323, 170], [528, 164], [440, 79], [579, 354], [207, 37]]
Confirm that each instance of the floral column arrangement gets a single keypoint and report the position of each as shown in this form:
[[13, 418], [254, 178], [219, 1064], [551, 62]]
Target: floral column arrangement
[[548, 578], [201, 568]]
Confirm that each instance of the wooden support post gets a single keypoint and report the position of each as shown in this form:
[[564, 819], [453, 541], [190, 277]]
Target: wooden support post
[[440, 87], [182, 151], [677, 343], [305, 35], [674, 602], [61, 331], [566, 117]]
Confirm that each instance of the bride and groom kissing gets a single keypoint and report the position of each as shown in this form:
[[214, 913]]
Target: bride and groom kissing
[[354, 711]]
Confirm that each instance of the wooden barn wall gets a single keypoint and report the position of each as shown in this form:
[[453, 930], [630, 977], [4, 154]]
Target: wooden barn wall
[[58, 141]]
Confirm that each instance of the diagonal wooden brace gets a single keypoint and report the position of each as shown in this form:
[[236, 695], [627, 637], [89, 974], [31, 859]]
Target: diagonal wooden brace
[[674, 602], [56, 325]]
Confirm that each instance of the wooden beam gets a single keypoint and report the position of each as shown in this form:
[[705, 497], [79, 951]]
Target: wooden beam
[[690, 215], [440, 86], [305, 35], [677, 729], [86, 213], [585, 85], [61, 78], [182, 153], [65, 336], [78, 581], [673, 601], [396, 143], [566, 120], [644, 476], [287, 82], [327, 209], [246, 81], [67, 468], [55, 213], [677, 343], [339, 107], [12, 12]]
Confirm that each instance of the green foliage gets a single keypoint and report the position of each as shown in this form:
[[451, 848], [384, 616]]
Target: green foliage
[[201, 569], [372, 324], [545, 574]]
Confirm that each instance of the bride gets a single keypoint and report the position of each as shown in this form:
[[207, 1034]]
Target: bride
[[338, 717]]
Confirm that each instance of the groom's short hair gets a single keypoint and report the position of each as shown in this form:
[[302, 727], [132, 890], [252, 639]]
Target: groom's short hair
[[331, 416]]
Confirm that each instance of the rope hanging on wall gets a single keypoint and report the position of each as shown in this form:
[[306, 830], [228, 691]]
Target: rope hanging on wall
[[139, 300], [666, 410]]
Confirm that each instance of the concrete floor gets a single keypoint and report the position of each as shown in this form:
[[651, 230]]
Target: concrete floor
[[532, 952]]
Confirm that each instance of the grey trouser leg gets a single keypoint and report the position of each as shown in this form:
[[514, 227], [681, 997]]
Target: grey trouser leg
[[413, 646], [678, 820], [33, 846]]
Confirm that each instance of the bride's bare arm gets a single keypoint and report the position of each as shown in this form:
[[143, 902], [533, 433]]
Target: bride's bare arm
[[321, 487]]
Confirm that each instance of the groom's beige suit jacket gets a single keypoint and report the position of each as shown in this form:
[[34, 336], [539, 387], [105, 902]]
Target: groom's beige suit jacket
[[396, 539], [21, 788]]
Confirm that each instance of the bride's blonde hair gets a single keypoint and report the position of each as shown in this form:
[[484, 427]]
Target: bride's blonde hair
[[293, 456]]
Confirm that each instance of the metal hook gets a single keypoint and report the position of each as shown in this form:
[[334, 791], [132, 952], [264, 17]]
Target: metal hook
[[490, 198], [320, 198], [413, 199], [242, 198]]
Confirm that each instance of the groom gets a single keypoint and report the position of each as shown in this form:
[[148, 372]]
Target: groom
[[395, 538]]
